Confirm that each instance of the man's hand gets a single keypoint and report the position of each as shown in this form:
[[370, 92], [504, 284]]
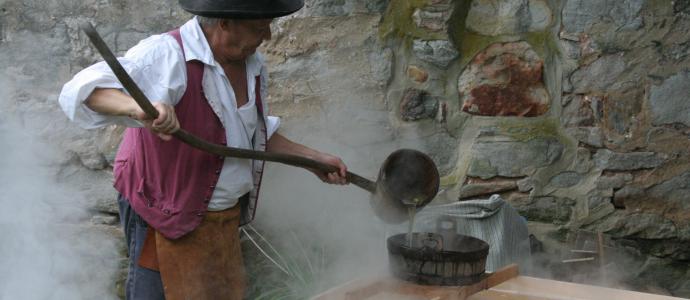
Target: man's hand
[[339, 177], [166, 123]]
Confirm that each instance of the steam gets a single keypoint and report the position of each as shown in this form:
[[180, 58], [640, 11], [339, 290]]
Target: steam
[[333, 99], [335, 222], [335, 218], [47, 248]]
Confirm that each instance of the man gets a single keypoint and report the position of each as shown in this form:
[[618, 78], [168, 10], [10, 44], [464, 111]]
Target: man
[[492, 220], [181, 207]]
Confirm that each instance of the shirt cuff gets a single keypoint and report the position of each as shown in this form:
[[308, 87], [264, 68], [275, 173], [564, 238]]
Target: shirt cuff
[[272, 125]]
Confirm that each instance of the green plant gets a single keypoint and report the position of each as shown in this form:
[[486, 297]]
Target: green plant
[[288, 270]]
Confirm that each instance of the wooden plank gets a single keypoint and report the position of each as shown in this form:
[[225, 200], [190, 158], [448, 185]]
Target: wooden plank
[[498, 295], [558, 290], [502, 275], [575, 260], [374, 287], [504, 284], [495, 278]]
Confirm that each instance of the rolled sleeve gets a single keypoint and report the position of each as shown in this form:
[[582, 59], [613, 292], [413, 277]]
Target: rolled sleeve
[[76, 91], [157, 66]]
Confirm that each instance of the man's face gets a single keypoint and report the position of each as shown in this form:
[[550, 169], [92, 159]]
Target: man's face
[[238, 39]]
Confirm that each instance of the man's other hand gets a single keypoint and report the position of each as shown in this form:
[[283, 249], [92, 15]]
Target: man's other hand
[[166, 123], [280, 144], [339, 177]]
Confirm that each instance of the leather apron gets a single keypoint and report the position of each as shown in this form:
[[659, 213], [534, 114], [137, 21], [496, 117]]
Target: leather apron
[[205, 264]]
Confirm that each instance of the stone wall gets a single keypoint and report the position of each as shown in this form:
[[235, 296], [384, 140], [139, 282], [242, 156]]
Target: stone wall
[[576, 111]]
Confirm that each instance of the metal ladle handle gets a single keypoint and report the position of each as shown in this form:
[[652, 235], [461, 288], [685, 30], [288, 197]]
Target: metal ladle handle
[[201, 144]]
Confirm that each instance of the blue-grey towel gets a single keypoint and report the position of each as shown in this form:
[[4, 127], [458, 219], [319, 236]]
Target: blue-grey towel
[[492, 220]]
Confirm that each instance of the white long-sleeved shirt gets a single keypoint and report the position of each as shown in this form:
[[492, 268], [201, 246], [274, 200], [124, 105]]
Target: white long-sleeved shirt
[[157, 65]]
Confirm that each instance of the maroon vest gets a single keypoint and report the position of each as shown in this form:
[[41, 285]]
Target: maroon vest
[[168, 183]]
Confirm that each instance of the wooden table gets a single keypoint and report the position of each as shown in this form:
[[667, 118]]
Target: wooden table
[[504, 284]]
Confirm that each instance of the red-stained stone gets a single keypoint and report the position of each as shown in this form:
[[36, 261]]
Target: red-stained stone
[[504, 80]]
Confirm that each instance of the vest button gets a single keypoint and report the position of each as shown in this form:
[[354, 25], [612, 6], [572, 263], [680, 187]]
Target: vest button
[[200, 214], [166, 211], [218, 171], [213, 186]]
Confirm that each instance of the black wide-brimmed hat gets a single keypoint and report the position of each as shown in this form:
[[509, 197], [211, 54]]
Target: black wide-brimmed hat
[[242, 9]]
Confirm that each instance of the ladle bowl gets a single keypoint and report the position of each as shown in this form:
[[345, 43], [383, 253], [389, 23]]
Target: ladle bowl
[[408, 179]]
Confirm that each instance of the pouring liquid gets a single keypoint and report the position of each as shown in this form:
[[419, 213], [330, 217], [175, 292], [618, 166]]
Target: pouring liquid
[[411, 211]]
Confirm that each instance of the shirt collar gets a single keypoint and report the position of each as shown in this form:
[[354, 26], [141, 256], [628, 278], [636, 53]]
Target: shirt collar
[[196, 48]]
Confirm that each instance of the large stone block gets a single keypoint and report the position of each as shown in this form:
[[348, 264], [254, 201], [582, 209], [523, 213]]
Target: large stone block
[[437, 52], [592, 136], [642, 225], [498, 17], [661, 271], [335, 8], [382, 65], [500, 156], [598, 76], [476, 188], [546, 209], [674, 193], [578, 111], [595, 216], [504, 80], [583, 161], [609, 160], [613, 181], [627, 193], [417, 104], [670, 101], [580, 15], [565, 179], [681, 7], [434, 17]]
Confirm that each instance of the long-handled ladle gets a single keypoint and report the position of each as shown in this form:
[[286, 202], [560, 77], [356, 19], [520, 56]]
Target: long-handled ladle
[[408, 178]]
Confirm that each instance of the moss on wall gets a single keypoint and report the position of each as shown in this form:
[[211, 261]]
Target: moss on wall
[[470, 43], [451, 179], [526, 131], [543, 43], [399, 23]]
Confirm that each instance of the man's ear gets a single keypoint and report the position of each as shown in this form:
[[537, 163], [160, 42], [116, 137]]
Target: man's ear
[[225, 24]]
